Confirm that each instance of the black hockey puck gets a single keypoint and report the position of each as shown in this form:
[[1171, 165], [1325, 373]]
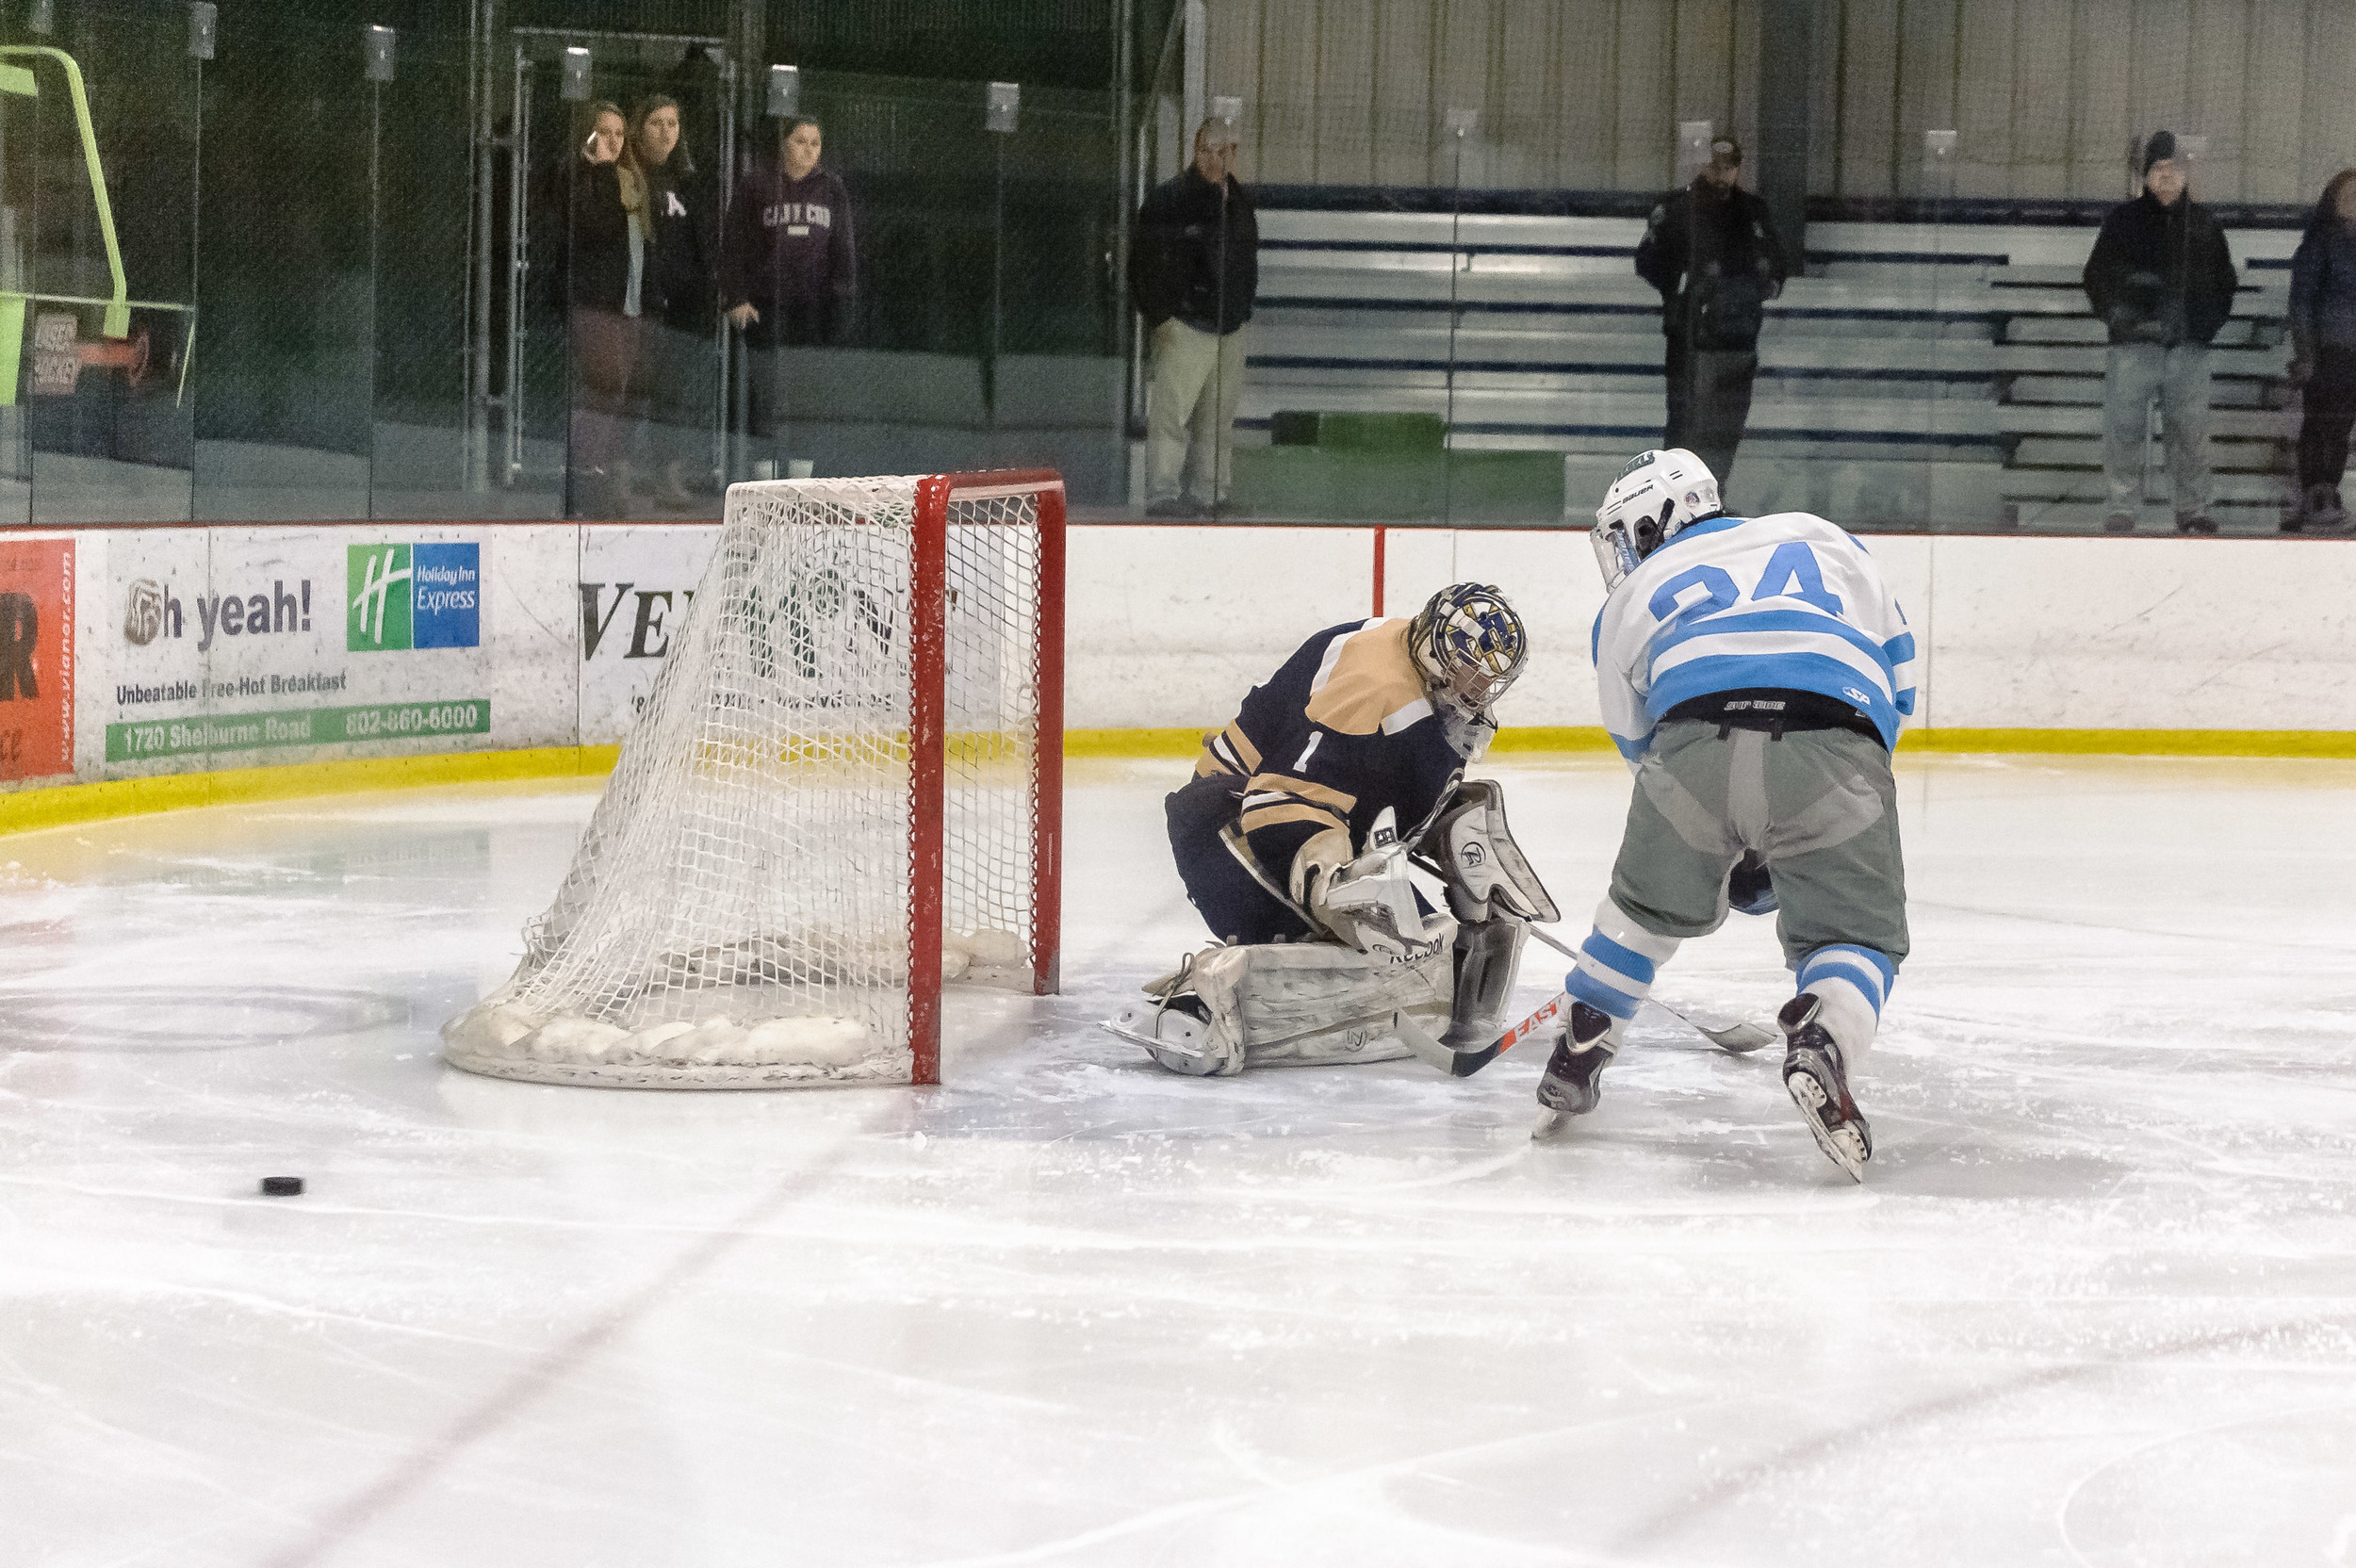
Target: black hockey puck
[[282, 1187]]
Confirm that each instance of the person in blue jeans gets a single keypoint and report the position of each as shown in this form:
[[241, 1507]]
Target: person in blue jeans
[[2323, 356]]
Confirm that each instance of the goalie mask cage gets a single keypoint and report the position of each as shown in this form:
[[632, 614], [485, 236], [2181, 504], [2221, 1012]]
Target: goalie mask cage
[[845, 787]]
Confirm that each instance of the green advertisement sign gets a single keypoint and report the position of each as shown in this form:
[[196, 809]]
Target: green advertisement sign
[[300, 726], [378, 580]]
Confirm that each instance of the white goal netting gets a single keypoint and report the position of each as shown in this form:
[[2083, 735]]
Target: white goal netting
[[835, 799]]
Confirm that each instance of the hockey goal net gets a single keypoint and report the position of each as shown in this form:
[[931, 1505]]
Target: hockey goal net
[[846, 790]]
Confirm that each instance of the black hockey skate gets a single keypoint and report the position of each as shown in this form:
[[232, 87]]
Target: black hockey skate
[[1574, 1080], [1819, 1084]]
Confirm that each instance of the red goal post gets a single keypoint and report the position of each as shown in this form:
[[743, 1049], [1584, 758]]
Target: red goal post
[[945, 502]]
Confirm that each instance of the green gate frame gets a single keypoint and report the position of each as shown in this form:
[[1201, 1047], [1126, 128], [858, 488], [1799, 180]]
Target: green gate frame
[[20, 80]]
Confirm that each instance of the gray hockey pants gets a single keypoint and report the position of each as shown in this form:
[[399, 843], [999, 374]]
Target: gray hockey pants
[[1821, 805]]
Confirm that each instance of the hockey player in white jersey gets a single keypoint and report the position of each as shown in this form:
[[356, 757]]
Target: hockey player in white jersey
[[1754, 673]]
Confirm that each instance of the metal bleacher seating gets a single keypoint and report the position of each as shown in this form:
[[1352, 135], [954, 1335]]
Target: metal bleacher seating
[[1949, 374]]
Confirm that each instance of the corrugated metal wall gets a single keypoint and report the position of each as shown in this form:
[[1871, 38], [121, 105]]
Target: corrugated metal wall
[[1585, 95]]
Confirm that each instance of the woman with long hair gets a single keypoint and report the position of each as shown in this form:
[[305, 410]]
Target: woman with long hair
[[676, 300], [607, 296], [2323, 356]]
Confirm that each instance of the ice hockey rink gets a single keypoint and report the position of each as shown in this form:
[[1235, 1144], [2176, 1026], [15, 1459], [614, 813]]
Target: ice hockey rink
[[2095, 1303]]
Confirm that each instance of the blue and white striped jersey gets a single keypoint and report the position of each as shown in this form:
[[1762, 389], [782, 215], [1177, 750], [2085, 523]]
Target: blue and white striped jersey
[[1784, 600]]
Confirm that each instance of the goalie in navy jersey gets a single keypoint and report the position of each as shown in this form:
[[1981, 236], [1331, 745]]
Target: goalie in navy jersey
[[1295, 836], [1754, 673]]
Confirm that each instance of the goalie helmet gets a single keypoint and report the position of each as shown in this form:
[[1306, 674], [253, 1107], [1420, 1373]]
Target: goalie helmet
[[1656, 497], [1468, 644]]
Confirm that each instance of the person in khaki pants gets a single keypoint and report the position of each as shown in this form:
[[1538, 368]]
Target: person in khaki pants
[[1193, 271]]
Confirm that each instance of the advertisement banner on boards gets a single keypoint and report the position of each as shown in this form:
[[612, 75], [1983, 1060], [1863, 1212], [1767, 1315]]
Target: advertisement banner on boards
[[239, 645], [36, 657], [635, 584]]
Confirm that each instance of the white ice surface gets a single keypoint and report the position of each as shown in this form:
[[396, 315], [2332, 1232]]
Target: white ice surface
[[2096, 1303]]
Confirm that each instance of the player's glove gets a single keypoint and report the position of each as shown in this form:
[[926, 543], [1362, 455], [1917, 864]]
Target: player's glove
[[1748, 887]]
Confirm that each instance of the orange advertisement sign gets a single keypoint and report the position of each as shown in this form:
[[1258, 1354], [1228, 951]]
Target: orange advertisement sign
[[36, 657]]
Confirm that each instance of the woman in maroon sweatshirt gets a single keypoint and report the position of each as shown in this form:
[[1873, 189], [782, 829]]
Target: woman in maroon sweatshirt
[[786, 268]]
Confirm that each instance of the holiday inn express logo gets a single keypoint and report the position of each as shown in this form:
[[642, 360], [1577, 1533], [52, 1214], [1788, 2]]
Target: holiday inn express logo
[[413, 596], [381, 576]]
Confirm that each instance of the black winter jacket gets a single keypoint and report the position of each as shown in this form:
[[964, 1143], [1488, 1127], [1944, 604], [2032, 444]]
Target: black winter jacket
[[2323, 288], [2161, 274], [1176, 261], [593, 248], [684, 216], [1717, 260]]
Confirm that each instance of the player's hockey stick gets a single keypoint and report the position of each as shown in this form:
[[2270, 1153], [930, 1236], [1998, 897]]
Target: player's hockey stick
[[1744, 1036]]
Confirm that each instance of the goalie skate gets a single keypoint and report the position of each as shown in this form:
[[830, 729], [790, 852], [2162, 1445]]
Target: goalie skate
[[1175, 1031]]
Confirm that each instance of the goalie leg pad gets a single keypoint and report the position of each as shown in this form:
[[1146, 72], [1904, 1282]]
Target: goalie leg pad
[[1309, 1003], [1487, 955], [1286, 1005]]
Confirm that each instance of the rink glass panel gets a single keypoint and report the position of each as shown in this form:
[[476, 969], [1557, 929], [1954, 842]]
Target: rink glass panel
[[358, 290], [1936, 369], [100, 428]]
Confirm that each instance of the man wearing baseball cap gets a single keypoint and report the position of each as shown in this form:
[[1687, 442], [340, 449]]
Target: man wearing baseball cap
[[1712, 250], [2162, 280]]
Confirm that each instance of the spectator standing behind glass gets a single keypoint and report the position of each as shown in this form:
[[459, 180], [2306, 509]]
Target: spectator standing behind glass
[[2323, 355], [2162, 280], [1194, 270], [1712, 250], [677, 299], [606, 289], [787, 273]]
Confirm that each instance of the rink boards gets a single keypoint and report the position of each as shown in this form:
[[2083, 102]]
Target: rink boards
[[129, 654]]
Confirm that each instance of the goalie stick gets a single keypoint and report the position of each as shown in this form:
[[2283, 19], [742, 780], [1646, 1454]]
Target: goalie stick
[[1463, 1064]]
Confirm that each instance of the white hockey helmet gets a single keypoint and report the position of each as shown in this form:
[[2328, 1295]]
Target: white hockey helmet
[[1468, 644], [1656, 495]]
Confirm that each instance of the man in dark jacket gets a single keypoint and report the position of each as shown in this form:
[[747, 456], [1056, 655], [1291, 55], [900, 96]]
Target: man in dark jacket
[[2163, 281], [1713, 252], [1193, 271]]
